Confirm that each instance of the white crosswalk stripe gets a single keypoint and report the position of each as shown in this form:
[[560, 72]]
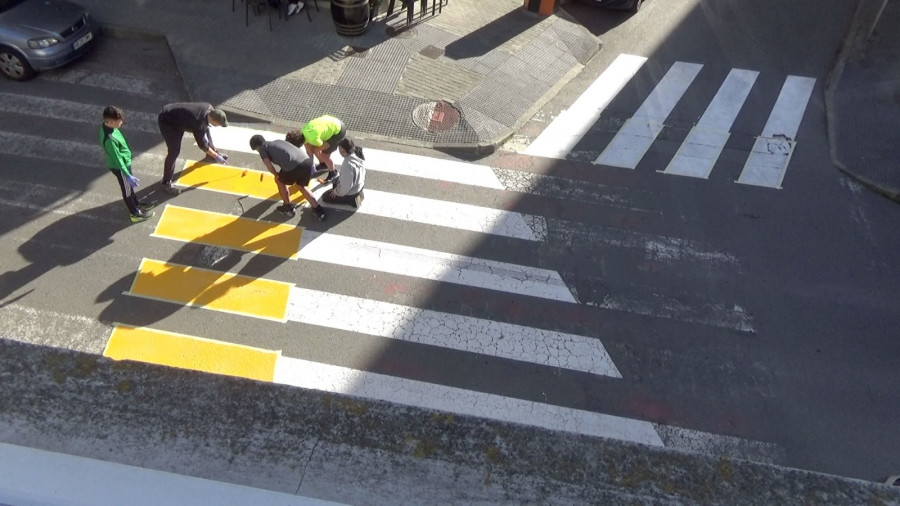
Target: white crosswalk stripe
[[639, 132], [699, 152], [772, 150], [396, 201]]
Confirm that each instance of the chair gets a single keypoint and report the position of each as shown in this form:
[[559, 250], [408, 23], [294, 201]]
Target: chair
[[257, 6], [423, 6]]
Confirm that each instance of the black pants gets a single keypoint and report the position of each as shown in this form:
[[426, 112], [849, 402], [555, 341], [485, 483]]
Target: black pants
[[335, 139], [127, 192], [172, 135]]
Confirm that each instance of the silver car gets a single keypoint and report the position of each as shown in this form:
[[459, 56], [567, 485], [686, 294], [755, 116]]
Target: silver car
[[38, 35]]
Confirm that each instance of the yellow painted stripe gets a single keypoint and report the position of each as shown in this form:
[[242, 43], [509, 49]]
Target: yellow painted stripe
[[219, 291], [216, 229], [188, 352], [234, 180]]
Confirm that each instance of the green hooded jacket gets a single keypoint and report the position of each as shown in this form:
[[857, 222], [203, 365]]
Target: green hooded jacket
[[118, 154]]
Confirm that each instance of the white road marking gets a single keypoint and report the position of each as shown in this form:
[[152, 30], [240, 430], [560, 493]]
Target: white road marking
[[638, 133], [772, 150], [235, 138], [433, 265], [53, 108], [720, 444], [32, 476], [133, 85], [448, 214], [330, 378], [446, 330], [716, 315], [564, 132], [700, 150]]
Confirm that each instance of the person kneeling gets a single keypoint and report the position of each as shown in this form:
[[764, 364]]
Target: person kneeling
[[348, 186]]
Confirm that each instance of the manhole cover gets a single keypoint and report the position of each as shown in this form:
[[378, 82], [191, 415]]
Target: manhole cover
[[432, 52], [436, 116]]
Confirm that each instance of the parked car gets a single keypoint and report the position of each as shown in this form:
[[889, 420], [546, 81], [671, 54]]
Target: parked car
[[39, 35], [630, 5]]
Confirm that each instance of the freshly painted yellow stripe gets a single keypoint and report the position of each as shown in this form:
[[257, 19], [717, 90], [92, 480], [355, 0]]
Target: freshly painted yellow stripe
[[219, 291], [234, 180], [216, 229], [188, 352]]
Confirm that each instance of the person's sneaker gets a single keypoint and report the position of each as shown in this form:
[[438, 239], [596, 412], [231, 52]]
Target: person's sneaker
[[292, 9], [331, 176], [171, 190], [146, 206], [141, 216], [287, 210], [358, 200], [320, 213]]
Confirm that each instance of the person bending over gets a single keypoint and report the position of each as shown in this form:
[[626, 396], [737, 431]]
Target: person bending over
[[296, 167]]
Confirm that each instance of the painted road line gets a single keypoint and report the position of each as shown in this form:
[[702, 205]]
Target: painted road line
[[219, 291], [342, 380], [698, 153], [54, 108], [772, 150], [445, 330], [217, 229], [638, 133], [434, 265], [334, 379], [237, 181], [455, 215], [452, 171], [32, 476], [233, 181], [726, 316], [187, 352], [564, 132]]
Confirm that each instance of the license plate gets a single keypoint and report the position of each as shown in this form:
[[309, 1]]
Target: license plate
[[82, 41]]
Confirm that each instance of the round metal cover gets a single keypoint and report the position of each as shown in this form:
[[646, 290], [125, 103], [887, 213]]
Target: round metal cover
[[436, 116]]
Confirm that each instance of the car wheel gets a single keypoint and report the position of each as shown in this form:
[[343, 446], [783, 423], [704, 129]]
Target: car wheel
[[13, 66], [637, 5]]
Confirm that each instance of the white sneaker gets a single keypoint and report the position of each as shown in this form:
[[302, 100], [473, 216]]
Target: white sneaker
[[300, 6], [292, 9]]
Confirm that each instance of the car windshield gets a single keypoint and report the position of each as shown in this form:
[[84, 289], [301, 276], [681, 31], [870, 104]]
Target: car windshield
[[6, 5]]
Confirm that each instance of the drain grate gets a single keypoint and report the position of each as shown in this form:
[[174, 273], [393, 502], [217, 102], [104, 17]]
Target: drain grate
[[436, 116]]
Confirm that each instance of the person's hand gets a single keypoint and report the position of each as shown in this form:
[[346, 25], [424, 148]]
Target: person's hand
[[133, 181], [331, 194], [220, 159], [223, 155]]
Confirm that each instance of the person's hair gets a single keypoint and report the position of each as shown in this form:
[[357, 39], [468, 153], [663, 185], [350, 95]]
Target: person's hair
[[296, 138], [256, 141], [112, 112], [349, 146]]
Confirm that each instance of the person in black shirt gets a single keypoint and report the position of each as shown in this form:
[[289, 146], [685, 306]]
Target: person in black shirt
[[195, 117]]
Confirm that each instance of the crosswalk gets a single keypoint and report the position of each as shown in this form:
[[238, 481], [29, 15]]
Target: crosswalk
[[427, 226], [766, 163]]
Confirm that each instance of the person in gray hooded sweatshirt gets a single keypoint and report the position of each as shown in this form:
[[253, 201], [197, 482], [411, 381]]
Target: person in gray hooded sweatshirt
[[348, 187]]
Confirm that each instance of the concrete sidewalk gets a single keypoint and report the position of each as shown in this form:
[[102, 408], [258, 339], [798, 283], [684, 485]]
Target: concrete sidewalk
[[467, 76], [356, 451], [863, 99]]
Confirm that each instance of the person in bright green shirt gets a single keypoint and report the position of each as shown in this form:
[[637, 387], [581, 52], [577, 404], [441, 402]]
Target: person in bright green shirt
[[118, 160], [320, 137]]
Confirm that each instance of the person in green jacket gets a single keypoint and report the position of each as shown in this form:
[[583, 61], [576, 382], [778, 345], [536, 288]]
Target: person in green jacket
[[118, 160]]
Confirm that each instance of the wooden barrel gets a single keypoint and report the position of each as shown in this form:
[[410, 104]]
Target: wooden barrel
[[351, 17]]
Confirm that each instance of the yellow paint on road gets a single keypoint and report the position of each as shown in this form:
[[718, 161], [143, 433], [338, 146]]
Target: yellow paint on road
[[219, 291], [216, 229], [234, 180], [188, 352]]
